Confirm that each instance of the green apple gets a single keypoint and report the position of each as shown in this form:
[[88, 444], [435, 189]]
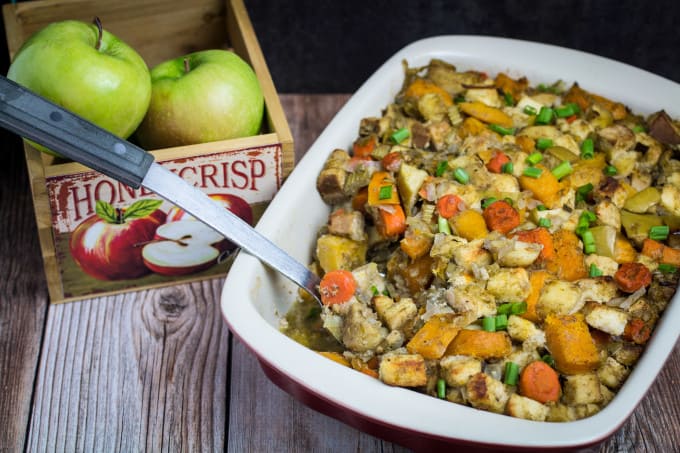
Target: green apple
[[87, 70], [202, 97]]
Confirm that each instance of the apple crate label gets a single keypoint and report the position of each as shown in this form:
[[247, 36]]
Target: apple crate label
[[253, 175], [109, 237]]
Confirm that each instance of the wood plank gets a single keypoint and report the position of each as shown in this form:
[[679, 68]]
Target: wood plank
[[141, 371], [23, 296]]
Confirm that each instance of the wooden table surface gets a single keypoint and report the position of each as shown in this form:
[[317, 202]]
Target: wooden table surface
[[158, 370]]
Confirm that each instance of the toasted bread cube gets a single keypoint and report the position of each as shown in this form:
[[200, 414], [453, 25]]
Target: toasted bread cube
[[582, 389], [612, 373], [521, 329], [600, 290], [485, 392], [472, 254], [472, 298], [526, 408], [395, 314], [458, 369], [586, 410], [561, 413], [403, 370], [509, 284], [607, 319], [607, 265], [558, 297], [627, 354], [361, 330]]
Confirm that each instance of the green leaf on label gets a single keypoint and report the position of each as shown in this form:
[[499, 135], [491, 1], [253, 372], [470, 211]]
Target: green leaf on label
[[141, 208], [106, 212]]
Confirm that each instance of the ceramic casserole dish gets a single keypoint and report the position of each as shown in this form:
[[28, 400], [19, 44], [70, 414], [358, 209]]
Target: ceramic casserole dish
[[255, 298]]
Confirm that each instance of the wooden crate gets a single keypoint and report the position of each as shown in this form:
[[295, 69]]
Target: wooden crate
[[158, 30]]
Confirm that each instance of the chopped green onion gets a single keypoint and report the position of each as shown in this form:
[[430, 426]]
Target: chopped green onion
[[562, 170], [386, 292], [458, 99], [502, 130], [541, 207], [461, 175], [487, 201], [441, 389], [534, 158], [507, 167], [587, 149], [594, 271], [511, 373], [610, 170], [588, 242], [501, 322], [590, 216], [374, 290], [489, 323], [504, 309], [567, 110], [544, 143], [532, 172], [441, 168], [530, 110], [509, 100], [659, 232], [638, 128], [443, 225], [544, 116], [549, 360], [667, 268], [400, 135], [583, 191], [385, 192], [509, 201], [518, 308], [544, 222]]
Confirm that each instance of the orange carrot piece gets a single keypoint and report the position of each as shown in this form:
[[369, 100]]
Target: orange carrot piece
[[337, 287], [416, 245], [539, 236], [637, 331], [632, 276], [364, 146], [359, 200], [540, 382], [501, 216], [448, 205], [495, 165], [391, 221], [336, 357], [382, 189], [392, 161]]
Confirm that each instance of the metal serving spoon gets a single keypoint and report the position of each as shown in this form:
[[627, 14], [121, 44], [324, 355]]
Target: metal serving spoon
[[35, 118]]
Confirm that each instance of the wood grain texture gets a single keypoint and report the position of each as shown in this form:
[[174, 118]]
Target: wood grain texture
[[23, 296], [134, 372]]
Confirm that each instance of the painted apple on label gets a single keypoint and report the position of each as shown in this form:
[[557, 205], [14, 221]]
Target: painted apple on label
[[234, 203], [183, 247], [108, 245]]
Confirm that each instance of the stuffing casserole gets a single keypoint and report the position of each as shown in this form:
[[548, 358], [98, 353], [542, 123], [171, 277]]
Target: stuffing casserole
[[496, 244]]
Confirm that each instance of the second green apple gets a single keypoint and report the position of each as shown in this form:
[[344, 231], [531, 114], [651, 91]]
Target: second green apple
[[202, 97]]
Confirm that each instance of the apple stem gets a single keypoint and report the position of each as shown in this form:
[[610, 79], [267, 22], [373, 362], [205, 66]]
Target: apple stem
[[119, 216], [100, 29], [186, 65]]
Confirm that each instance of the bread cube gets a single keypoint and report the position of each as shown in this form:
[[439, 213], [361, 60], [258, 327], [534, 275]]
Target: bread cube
[[558, 297], [612, 373], [521, 329], [403, 370], [526, 408], [582, 389], [607, 319], [458, 369], [487, 393], [395, 314], [509, 284]]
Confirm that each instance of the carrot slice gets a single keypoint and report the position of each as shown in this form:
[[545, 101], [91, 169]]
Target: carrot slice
[[540, 382], [501, 216], [660, 252], [637, 331], [391, 221], [495, 165], [632, 276], [448, 205], [337, 287], [364, 146]]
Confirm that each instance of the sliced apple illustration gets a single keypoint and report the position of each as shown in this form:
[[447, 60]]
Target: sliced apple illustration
[[234, 203], [183, 247]]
